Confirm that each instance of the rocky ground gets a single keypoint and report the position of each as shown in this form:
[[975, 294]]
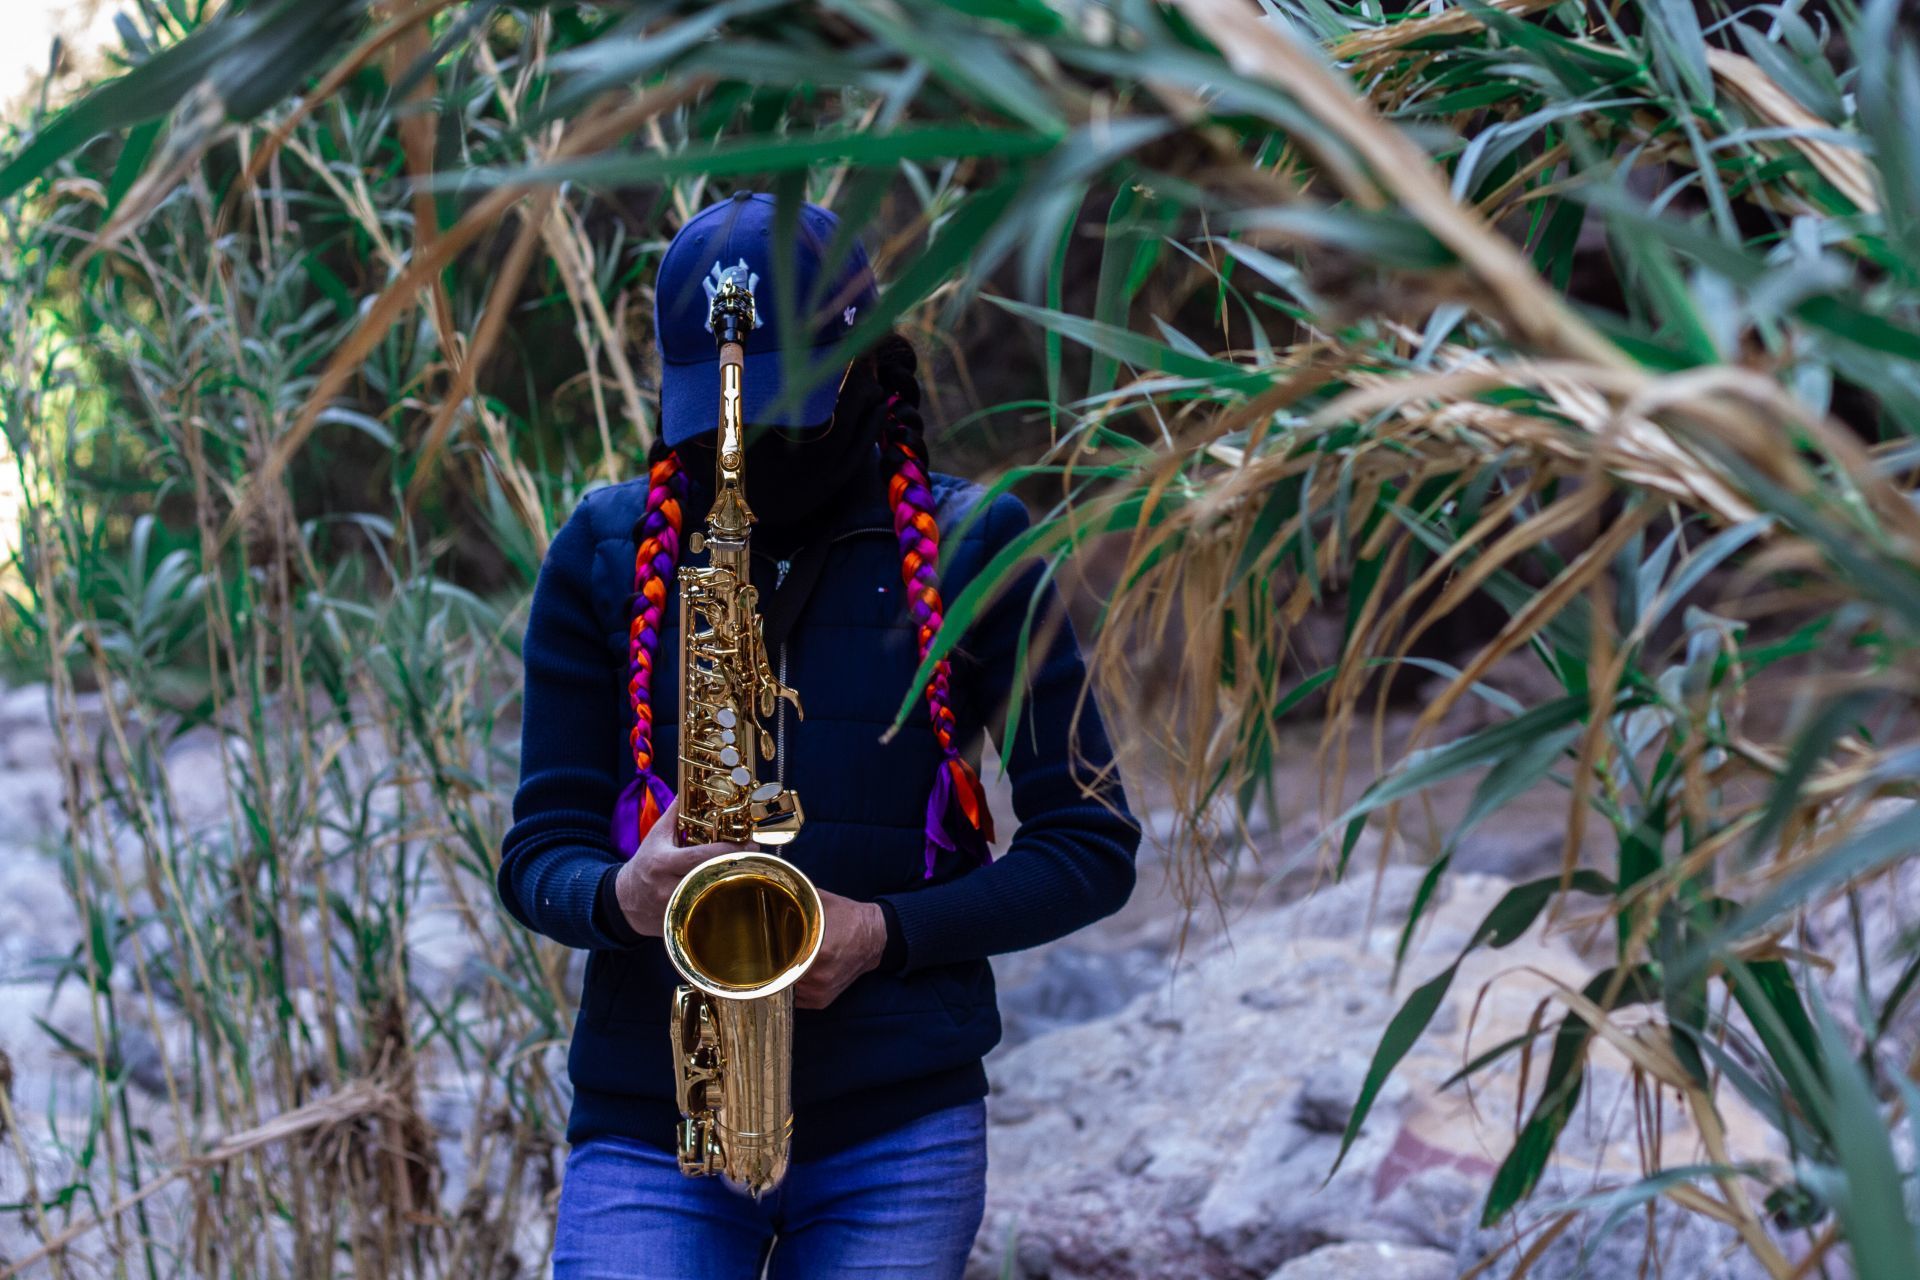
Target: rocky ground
[[1193, 1131], [1171, 1093]]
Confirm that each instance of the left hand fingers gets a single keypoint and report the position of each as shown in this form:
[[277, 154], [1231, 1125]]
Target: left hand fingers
[[817, 987], [846, 951]]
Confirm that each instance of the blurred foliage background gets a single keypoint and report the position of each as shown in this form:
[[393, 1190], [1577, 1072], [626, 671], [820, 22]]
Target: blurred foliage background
[[1583, 336]]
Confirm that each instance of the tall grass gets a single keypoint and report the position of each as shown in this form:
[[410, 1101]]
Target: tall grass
[[357, 702], [1603, 317]]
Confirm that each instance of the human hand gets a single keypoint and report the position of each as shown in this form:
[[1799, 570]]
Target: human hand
[[853, 937], [655, 870]]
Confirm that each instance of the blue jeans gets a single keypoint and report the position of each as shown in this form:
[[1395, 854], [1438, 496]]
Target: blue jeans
[[903, 1206]]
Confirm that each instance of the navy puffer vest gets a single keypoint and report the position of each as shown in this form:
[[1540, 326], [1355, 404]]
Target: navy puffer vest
[[894, 1045]]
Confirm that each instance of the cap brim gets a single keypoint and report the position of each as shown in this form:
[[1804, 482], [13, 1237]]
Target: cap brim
[[690, 395]]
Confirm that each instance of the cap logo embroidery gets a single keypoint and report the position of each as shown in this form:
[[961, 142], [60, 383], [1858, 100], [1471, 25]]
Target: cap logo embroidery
[[846, 316], [712, 285]]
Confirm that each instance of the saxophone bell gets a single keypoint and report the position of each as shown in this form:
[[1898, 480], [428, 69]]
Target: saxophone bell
[[741, 929]]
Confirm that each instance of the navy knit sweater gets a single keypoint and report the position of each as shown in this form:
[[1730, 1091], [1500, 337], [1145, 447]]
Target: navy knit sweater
[[906, 1039]]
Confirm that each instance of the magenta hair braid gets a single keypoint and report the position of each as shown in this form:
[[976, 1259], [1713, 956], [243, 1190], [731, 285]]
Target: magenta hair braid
[[655, 556], [957, 815]]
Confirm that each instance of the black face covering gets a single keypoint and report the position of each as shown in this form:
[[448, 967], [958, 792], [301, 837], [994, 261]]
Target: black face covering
[[799, 478]]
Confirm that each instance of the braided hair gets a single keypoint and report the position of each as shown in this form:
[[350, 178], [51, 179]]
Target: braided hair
[[957, 815], [657, 551]]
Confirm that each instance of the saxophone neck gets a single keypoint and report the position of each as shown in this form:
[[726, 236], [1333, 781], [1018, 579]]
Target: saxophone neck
[[731, 518], [730, 318]]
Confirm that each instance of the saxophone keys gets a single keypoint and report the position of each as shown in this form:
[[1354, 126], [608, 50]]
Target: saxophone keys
[[777, 818], [700, 1152], [728, 755], [766, 745]]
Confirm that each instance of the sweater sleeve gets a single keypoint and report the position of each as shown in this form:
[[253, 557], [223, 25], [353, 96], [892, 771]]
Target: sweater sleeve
[[557, 860], [1070, 861]]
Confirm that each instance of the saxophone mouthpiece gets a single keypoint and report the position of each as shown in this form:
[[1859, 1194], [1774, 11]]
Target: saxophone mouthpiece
[[730, 310]]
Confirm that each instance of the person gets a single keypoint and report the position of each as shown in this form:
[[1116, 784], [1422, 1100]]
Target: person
[[857, 548]]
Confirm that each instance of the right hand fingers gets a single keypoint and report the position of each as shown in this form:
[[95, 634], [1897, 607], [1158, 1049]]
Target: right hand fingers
[[660, 848], [681, 859], [659, 837]]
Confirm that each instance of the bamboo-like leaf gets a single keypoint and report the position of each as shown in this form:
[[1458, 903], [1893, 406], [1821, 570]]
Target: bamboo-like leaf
[[757, 155], [1505, 924], [1811, 747], [1867, 851], [1677, 28], [1888, 92], [1391, 240], [256, 56], [974, 63], [1868, 1194], [1039, 541], [1126, 345], [1816, 94], [1623, 1200], [1497, 743], [1520, 1172], [1134, 226]]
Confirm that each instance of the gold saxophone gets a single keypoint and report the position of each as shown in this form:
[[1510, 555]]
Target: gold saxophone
[[743, 927]]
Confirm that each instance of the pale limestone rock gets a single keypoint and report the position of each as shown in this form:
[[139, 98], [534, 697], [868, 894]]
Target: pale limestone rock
[[32, 805], [1194, 1132], [37, 918], [1370, 1261], [43, 1073], [24, 707]]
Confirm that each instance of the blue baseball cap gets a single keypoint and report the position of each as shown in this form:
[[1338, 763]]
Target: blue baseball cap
[[804, 306]]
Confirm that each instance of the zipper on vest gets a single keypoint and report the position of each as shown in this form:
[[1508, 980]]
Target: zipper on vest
[[780, 568], [780, 725]]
